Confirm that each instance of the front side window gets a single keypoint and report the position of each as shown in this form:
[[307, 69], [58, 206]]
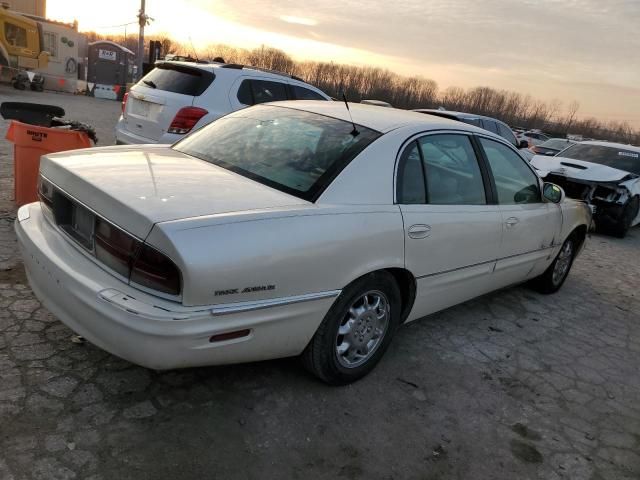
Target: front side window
[[15, 35], [293, 151], [515, 181]]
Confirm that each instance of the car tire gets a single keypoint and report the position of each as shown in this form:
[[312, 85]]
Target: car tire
[[622, 224], [356, 331], [554, 276]]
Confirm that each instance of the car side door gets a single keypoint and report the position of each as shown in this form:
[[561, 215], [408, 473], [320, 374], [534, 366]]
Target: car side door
[[530, 224], [452, 231]]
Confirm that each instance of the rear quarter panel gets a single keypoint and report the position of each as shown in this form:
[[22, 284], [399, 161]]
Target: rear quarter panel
[[289, 253]]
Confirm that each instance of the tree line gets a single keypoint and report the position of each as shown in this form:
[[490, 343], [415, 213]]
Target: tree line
[[409, 92]]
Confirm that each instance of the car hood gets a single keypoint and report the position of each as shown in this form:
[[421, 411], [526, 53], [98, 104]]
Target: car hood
[[136, 187], [578, 169]]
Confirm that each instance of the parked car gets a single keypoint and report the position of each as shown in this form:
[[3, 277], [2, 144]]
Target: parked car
[[487, 123], [379, 103], [606, 175], [532, 138], [289, 229], [550, 148], [178, 97]]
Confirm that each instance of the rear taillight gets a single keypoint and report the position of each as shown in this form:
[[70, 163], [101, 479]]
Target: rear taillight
[[124, 102], [186, 119], [154, 270], [45, 191], [114, 247]]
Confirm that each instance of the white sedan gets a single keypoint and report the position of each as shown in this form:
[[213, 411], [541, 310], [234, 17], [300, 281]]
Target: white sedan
[[289, 229]]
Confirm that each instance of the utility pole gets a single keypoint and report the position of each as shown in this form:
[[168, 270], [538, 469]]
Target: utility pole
[[142, 21]]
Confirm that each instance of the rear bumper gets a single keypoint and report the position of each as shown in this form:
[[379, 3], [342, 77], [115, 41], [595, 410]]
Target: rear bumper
[[125, 137], [142, 328]]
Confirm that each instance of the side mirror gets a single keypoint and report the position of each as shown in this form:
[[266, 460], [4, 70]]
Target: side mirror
[[553, 192], [523, 144]]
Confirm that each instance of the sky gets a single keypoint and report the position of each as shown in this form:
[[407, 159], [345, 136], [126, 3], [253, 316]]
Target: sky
[[583, 50]]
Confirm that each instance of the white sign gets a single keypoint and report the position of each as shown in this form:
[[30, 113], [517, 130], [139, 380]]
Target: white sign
[[107, 54]]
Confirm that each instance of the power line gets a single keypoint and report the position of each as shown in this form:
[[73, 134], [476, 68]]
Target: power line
[[115, 26]]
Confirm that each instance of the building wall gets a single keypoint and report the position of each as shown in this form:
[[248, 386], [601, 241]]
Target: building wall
[[32, 7], [67, 48]]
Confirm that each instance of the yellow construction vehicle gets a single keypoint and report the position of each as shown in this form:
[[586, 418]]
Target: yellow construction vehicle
[[20, 46]]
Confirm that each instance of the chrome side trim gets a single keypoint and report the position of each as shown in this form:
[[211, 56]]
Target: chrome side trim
[[231, 308], [487, 262], [455, 269]]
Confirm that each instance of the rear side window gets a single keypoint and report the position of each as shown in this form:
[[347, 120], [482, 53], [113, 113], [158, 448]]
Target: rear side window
[[472, 121], [411, 187], [440, 170], [452, 171], [178, 79], [490, 125], [506, 133], [252, 92], [301, 93]]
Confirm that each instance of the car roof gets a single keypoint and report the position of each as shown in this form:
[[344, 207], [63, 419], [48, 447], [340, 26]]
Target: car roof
[[455, 114], [632, 148], [381, 119], [230, 67]]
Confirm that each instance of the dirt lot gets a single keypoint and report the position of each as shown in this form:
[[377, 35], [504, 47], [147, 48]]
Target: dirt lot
[[513, 385]]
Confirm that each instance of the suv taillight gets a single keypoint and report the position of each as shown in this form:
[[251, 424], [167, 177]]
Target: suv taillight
[[124, 102], [186, 119]]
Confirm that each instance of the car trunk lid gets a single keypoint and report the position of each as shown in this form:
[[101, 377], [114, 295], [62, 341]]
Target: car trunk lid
[[136, 188]]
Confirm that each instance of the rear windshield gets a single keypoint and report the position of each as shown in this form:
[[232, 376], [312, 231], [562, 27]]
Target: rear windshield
[[619, 158], [290, 150], [178, 79]]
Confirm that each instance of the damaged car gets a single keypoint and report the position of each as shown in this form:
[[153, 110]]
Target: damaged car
[[605, 175]]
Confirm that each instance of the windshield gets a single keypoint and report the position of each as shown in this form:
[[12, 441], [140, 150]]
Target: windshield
[[557, 143], [290, 150], [619, 158]]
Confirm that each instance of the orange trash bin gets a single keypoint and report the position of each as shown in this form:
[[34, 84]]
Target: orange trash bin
[[30, 142]]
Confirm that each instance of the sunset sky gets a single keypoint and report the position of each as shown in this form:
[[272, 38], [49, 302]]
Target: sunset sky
[[584, 50]]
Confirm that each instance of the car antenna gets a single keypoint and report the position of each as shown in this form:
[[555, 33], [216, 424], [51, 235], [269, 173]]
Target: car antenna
[[194, 50], [355, 131]]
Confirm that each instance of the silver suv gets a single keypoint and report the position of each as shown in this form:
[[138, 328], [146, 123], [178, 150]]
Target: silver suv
[[178, 97]]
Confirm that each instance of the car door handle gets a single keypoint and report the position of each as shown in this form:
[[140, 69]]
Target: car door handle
[[419, 231], [511, 222]]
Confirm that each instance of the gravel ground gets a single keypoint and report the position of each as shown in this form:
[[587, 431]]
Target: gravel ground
[[514, 385]]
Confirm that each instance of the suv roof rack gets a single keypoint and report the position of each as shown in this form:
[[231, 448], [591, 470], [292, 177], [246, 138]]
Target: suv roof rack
[[239, 66]]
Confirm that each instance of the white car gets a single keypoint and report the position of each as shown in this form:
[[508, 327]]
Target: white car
[[533, 138], [606, 175], [286, 229], [178, 97]]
